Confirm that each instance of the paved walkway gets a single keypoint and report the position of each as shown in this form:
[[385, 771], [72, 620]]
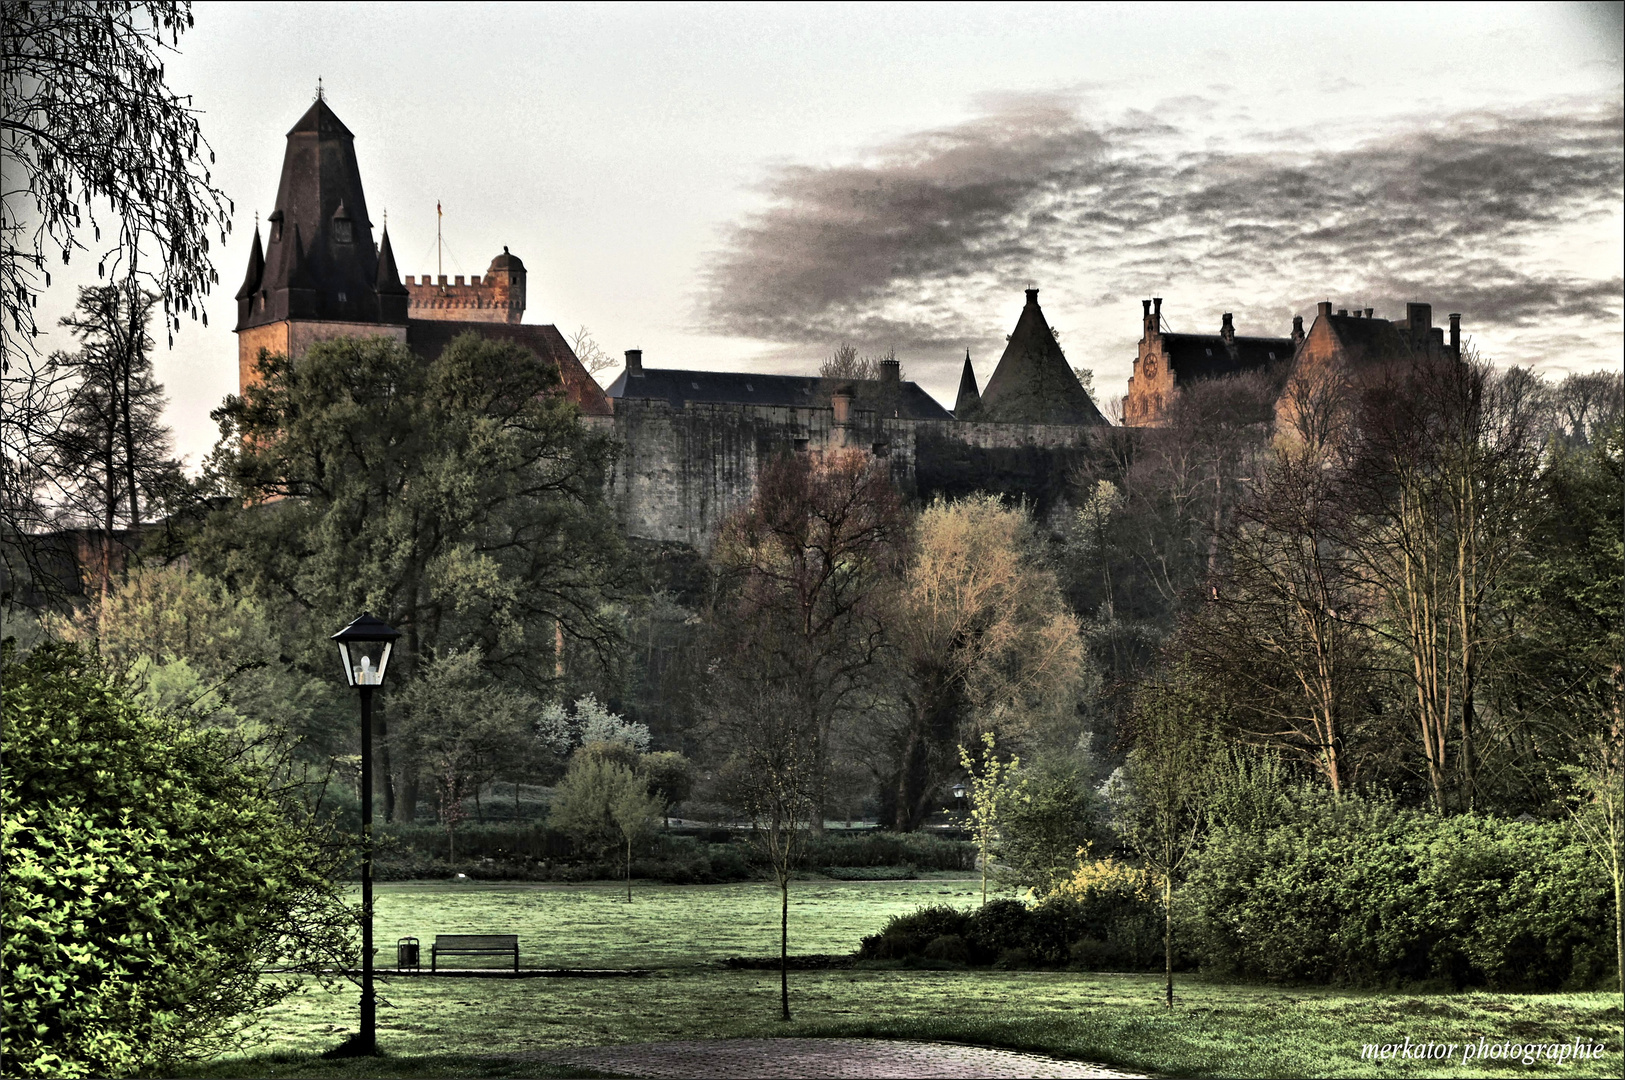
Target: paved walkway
[[844, 1058]]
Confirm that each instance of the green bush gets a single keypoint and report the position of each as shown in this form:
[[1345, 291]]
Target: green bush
[[151, 873], [1358, 891]]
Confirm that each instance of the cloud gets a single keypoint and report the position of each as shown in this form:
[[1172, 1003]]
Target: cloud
[[914, 242]]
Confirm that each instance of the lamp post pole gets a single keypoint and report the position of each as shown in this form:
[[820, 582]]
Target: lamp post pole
[[368, 1040], [364, 648]]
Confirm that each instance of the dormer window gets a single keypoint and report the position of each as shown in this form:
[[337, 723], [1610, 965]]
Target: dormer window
[[343, 227], [276, 225]]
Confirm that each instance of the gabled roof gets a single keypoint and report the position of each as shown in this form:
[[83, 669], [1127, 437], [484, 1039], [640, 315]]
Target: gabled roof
[[1367, 339], [1033, 383], [679, 386], [429, 338], [1207, 356]]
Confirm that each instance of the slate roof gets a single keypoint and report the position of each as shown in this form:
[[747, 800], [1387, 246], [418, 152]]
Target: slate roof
[[1364, 338], [679, 386], [969, 399], [308, 271], [429, 338], [1206, 356], [1033, 383]]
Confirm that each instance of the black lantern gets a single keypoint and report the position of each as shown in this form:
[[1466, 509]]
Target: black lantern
[[364, 648]]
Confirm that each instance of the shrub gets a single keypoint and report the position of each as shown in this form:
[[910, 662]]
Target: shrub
[[1358, 891], [151, 874], [998, 926]]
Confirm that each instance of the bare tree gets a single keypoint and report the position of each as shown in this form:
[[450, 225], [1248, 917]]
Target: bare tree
[[593, 356], [845, 363]]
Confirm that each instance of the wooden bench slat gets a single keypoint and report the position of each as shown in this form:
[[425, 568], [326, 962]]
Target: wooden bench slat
[[476, 941]]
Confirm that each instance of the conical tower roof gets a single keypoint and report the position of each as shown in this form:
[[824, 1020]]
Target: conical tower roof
[[969, 401], [319, 198], [256, 267], [389, 278], [1033, 383]]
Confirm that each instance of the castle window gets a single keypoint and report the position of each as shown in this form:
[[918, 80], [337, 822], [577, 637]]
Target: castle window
[[343, 231], [1210, 352], [342, 298], [1272, 356], [801, 446]]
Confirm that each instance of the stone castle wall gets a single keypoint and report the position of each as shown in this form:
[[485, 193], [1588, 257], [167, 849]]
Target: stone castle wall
[[487, 299], [682, 471]]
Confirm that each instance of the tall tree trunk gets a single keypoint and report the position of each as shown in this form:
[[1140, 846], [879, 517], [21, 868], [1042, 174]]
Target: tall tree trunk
[[406, 806], [784, 943], [386, 774], [1168, 935]]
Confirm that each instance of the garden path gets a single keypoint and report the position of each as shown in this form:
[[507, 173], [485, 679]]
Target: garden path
[[843, 1058]]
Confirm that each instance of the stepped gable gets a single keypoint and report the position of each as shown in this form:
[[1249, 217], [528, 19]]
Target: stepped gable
[[429, 338], [320, 237], [906, 400], [969, 401], [1033, 383]]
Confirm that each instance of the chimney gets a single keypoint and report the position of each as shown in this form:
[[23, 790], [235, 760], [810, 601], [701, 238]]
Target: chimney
[[1297, 330], [1343, 311], [1419, 320], [1032, 297], [841, 404], [1156, 308], [634, 363], [891, 370], [1228, 329], [1455, 334], [1324, 308], [1146, 329], [1369, 312]]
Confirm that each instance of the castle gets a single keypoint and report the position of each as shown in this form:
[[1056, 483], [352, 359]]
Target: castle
[[692, 442]]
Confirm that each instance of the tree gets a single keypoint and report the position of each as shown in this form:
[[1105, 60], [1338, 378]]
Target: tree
[[984, 642], [112, 448], [601, 800], [463, 496], [90, 133], [1046, 825], [1168, 776], [592, 355], [845, 364], [772, 774], [994, 787], [1440, 477], [1598, 812], [809, 565], [153, 874], [670, 776], [1284, 629], [459, 725]]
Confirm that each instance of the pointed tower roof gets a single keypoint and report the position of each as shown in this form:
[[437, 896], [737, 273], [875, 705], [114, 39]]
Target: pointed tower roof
[[1033, 383], [320, 199], [389, 279], [256, 267], [970, 399]]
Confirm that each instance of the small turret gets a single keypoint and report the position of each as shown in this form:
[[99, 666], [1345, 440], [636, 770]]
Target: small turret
[[251, 281], [969, 401], [392, 296]]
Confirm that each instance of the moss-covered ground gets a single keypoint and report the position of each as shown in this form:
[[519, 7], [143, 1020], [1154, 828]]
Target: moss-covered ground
[[442, 1027]]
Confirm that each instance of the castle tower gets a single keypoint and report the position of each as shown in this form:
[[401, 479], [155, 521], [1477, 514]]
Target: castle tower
[[1033, 383], [318, 275], [499, 297]]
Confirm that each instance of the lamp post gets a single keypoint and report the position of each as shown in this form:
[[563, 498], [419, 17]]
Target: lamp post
[[364, 648]]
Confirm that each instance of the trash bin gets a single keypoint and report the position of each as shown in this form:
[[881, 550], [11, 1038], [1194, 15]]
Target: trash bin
[[406, 954]]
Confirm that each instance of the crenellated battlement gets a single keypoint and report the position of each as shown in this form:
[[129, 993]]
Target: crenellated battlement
[[497, 297]]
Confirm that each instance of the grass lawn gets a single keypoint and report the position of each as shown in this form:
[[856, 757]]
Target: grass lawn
[[436, 1027]]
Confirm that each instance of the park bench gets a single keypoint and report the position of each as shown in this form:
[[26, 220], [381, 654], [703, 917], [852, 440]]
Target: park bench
[[474, 945]]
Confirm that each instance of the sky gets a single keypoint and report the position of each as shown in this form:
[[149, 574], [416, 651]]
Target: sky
[[747, 187]]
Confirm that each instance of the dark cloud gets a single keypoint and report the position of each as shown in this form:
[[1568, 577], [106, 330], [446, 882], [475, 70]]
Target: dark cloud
[[911, 245]]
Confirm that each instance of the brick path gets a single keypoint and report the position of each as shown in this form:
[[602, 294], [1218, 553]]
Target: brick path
[[844, 1058]]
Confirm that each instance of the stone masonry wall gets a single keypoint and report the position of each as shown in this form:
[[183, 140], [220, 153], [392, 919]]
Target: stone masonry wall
[[682, 471]]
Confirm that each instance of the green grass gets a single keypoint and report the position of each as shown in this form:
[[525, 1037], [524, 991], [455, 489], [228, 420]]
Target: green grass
[[665, 926], [440, 1027]]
